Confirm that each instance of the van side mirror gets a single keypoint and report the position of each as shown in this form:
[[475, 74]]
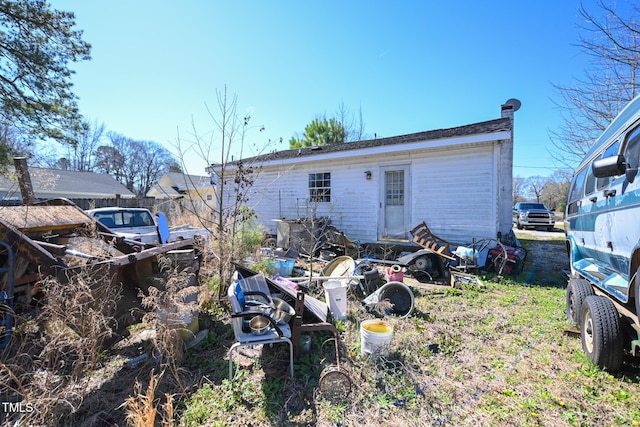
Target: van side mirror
[[609, 166], [612, 166]]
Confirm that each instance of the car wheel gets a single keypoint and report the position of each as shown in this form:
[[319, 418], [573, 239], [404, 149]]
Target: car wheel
[[550, 228], [601, 336], [577, 291], [518, 225]]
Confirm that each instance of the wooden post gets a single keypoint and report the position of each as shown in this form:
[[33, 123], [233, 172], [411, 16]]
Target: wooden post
[[24, 180]]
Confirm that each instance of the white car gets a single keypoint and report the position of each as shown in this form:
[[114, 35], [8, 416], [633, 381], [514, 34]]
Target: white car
[[139, 224]]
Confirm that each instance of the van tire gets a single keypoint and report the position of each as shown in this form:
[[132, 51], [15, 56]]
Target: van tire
[[577, 291], [637, 295], [601, 335]]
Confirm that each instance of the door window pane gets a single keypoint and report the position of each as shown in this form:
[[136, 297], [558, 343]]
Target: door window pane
[[394, 188]]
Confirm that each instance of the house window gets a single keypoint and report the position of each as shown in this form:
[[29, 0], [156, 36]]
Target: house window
[[320, 187], [209, 197]]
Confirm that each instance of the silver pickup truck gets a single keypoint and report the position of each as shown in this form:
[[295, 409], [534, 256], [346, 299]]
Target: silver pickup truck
[[533, 214], [140, 225]]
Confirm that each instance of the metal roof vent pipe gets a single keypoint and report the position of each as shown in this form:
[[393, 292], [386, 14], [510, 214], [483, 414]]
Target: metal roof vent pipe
[[510, 107]]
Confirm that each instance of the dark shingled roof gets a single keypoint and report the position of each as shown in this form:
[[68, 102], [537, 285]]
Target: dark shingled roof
[[72, 183], [491, 126]]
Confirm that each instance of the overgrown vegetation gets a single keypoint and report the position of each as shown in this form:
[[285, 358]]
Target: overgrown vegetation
[[498, 353]]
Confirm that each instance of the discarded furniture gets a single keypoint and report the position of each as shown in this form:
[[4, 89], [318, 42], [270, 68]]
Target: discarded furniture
[[275, 334], [424, 237], [315, 310]]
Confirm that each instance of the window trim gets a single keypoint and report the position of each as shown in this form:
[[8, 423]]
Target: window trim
[[320, 187]]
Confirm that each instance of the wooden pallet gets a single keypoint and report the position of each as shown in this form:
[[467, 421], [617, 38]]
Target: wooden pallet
[[425, 238]]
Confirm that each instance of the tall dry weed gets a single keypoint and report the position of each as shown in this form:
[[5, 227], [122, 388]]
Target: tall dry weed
[[169, 310], [53, 354], [142, 408]]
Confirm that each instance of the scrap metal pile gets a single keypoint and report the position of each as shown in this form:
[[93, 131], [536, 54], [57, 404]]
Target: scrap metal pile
[[56, 239]]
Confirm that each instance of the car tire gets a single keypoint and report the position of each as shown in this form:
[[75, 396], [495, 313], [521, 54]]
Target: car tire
[[600, 333], [577, 291], [518, 225], [550, 228]]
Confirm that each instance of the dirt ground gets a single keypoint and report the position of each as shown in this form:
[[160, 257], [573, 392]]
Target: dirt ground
[[547, 256]]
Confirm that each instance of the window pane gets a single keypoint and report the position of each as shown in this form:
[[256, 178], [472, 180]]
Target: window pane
[[320, 187], [394, 188]]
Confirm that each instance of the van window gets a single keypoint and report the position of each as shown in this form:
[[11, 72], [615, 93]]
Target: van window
[[576, 192], [612, 150], [590, 182], [632, 149]]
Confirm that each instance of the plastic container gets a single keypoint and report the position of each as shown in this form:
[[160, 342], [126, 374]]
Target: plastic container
[[342, 266], [283, 266], [335, 294], [395, 274], [400, 296], [375, 335]]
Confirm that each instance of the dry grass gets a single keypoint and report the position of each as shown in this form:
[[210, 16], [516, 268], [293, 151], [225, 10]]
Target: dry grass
[[495, 355], [498, 354]]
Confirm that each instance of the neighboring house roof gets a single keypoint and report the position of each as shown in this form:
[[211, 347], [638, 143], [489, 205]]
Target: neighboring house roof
[[491, 126], [177, 184], [51, 183]]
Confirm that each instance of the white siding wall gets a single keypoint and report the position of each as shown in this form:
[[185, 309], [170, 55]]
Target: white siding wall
[[453, 191], [353, 198]]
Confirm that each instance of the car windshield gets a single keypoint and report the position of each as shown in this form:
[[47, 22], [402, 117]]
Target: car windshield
[[124, 218], [532, 206]]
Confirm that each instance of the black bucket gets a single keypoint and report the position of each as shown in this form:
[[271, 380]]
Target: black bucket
[[400, 296]]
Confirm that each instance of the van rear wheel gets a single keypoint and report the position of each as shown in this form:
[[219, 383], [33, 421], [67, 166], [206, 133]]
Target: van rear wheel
[[601, 336], [638, 292], [578, 290]]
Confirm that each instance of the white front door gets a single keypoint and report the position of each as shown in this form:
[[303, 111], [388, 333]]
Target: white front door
[[394, 202]]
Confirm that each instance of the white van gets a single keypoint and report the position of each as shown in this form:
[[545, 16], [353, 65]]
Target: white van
[[603, 241]]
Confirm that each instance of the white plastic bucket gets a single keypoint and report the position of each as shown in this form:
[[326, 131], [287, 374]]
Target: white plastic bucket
[[374, 336], [335, 294]]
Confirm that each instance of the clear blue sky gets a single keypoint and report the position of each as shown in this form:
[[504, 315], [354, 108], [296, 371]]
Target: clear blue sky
[[406, 66]]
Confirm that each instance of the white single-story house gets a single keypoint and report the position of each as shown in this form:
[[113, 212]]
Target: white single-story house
[[457, 180]]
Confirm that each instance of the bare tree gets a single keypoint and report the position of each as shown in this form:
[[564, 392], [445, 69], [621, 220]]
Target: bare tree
[[81, 155], [12, 144], [136, 164], [554, 190], [353, 127], [612, 41], [233, 178], [519, 187], [110, 161], [154, 160]]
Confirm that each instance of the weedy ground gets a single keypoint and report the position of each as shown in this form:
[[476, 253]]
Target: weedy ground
[[500, 353]]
